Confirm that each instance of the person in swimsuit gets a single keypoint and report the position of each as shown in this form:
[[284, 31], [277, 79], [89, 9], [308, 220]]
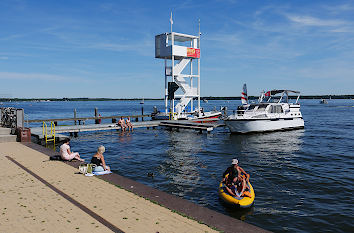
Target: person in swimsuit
[[235, 179], [65, 152], [129, 124], [121, 123], [98, 159]]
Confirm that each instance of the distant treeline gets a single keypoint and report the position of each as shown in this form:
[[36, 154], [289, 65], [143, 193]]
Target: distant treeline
[[292, 97], [139, 99]]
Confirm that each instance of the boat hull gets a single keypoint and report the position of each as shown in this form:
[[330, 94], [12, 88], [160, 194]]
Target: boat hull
[[243, 202], [208, 117], [263, 125]]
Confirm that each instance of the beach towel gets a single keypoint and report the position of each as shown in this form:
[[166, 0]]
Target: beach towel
[[101, 173]]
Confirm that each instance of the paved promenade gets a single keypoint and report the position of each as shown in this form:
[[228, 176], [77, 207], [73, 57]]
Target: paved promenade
[[38, 195]]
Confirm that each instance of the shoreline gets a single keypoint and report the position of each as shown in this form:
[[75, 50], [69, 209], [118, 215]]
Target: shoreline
[[158, 199]]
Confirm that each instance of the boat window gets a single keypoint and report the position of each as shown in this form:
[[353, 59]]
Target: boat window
[[275, 109], [271, 109], [279, 109]]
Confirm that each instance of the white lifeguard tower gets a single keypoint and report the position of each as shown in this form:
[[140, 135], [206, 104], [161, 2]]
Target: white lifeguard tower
[[182, 71]]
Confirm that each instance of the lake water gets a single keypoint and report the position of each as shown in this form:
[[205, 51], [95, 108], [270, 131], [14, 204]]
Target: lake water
[[303, 179]]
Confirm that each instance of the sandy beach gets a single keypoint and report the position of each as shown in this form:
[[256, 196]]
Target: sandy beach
[[28, 205]]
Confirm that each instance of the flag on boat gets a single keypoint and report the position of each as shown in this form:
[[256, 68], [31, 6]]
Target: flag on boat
[[244, 97], [267, 94]]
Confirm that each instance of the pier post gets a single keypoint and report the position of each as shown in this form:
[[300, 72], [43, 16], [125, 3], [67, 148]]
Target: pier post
[[75, 115], [142, 113], [96, 115]]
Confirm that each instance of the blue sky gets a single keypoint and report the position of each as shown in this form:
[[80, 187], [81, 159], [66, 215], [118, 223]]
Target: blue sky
[[89, 48]]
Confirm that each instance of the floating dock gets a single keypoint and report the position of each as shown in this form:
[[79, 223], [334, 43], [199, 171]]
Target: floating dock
[[38, 131], [75, 129], [208, 127]]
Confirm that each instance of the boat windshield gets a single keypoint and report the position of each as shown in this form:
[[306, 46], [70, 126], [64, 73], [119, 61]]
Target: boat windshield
[[251, 107], [261, 107], [257, 107]]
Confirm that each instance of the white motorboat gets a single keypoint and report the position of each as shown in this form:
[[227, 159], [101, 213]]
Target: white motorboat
[[272, 112]]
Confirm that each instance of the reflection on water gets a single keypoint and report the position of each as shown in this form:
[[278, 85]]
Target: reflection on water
[[181, 163], [238, 213], [272, 143]]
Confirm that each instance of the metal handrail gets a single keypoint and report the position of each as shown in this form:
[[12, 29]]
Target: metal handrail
[[45, 132]]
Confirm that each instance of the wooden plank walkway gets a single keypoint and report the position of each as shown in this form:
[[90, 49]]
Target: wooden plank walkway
[[180, 124]]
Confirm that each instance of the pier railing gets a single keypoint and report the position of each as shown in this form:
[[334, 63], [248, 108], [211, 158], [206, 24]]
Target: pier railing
[[136, 117]]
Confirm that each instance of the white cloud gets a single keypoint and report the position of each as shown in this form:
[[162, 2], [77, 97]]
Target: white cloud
[[312, 21], [339, 9]]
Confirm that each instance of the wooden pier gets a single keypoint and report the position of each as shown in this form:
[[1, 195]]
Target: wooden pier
[[179, 124], [83, 119], [75, 129], [172, 124]]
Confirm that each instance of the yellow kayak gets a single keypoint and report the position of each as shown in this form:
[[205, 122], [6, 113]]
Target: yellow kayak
[[242, 202]]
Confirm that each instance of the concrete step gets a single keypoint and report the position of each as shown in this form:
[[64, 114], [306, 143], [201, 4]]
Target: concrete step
[[5, 131], [8, 138]]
